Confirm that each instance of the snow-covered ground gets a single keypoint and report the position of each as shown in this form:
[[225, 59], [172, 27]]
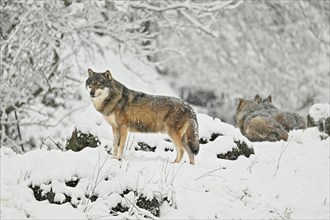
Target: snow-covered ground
[[282, 180]]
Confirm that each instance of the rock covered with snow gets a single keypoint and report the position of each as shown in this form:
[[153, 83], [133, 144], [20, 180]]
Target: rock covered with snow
[[90, 181], [90, 184], [79, 140], [226, 141], [319, 116]]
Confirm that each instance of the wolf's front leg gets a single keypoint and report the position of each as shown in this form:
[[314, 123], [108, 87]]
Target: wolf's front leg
[[123, 131], [115, 132]]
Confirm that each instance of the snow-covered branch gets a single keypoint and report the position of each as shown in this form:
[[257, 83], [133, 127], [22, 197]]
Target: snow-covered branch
[[40, 37], [191, 11]]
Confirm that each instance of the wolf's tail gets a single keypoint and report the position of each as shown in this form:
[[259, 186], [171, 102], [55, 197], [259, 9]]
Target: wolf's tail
[[192, 135]]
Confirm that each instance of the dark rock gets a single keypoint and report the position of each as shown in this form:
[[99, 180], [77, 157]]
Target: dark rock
[[153, 206], [323, 124], [50, 196], [168, 149], [317, 117], [119, 208], [92, 198], [214, 136], [145, 147], [38, 193], [242, 149], [72, 183], [311, 122], [80, 140], [203, 141], [327, 126]]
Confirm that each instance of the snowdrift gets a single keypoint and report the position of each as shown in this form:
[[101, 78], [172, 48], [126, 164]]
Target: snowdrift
[[280, 180]]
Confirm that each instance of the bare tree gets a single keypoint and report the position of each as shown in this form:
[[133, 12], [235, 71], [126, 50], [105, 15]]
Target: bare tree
[[268, 47], [37, 37]]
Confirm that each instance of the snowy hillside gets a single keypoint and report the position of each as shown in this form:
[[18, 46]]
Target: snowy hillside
[[283, 180], [209, 53]]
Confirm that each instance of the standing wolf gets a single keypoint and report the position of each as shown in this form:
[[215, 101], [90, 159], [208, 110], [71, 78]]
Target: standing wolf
[[128, 110]]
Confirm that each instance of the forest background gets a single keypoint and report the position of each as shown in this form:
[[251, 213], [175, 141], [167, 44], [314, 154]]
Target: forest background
[[210, 52]]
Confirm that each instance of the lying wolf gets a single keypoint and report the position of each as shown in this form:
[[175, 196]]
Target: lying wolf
[[127, 110], [289, 120], [257, 124]]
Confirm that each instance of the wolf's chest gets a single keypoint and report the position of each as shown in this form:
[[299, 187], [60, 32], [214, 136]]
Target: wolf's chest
[[98, 103], [111, 119]]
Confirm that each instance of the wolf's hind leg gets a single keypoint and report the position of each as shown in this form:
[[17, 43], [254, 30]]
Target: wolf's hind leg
[[178, 145], [189, 152]]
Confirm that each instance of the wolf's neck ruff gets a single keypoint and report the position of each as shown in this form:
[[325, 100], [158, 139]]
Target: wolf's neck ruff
[[98, 101]]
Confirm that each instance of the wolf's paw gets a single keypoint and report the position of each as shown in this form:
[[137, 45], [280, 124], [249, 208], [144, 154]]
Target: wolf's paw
[[118, 158], [114, 153]]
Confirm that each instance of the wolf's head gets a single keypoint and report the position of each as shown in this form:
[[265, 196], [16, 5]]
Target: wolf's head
[[98, 84], [259, 100], [267, 103], [246, 104]]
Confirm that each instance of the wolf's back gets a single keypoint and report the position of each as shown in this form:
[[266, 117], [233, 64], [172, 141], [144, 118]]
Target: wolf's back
[[290, 120], [264, 128]]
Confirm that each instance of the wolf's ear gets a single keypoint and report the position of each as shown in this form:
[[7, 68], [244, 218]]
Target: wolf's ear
[[107, 75], [269, 99], [241, 101], [90, 72], [257, 98]]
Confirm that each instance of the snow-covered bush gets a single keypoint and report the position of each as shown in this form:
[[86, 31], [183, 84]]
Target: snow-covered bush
[[319, 116], [39, 38], [80, 140]]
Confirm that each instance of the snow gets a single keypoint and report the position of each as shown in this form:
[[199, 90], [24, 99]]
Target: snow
[[209, 125], [282, 180], [319, 111]]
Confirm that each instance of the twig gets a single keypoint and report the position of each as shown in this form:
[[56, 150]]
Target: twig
[[208, 173], [129, 68], [252, 164], [97, 180], [280, 157], [141, 211], [19, 131], [56, 144]]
